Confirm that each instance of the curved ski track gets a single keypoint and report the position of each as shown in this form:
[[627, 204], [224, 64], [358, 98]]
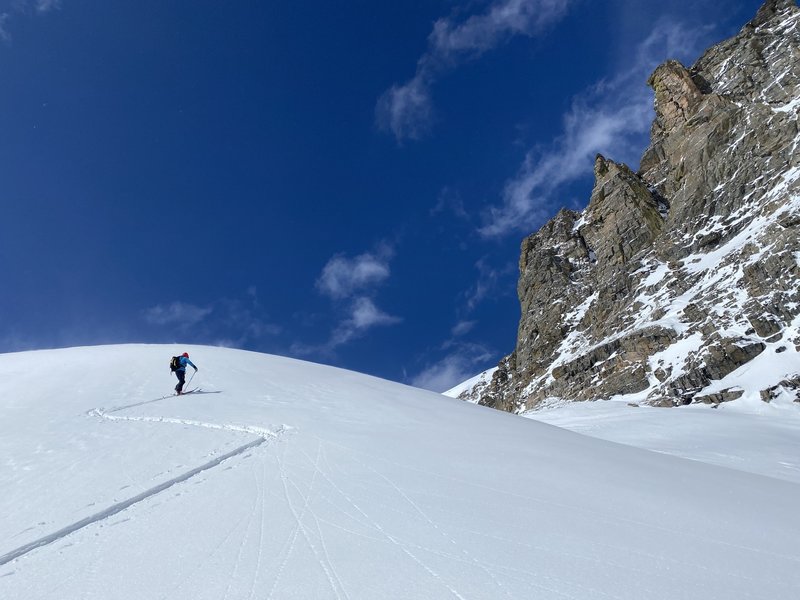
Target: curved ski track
[[262, 434]]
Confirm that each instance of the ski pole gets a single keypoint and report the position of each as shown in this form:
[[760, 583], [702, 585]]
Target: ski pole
[[190, 378]]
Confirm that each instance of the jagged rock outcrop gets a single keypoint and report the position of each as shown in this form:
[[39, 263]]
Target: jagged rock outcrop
[[679, 274]]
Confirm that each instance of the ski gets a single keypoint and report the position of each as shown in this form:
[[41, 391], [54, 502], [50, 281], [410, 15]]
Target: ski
[[189, 392]]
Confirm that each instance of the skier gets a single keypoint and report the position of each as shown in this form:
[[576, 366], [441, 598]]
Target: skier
[[180, 371]]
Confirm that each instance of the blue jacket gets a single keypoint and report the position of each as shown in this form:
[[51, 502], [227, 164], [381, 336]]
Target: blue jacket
[[185, 361]]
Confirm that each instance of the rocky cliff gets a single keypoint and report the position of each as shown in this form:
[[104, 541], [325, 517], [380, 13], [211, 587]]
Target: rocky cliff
[[678, 275]]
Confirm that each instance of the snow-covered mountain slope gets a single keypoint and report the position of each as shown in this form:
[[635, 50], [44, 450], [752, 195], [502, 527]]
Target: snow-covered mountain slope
[[681, 276], [471, 388], [749, 436], [285, 479]]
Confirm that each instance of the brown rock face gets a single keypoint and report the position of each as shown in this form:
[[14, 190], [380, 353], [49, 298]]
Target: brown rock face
[[676, 275]]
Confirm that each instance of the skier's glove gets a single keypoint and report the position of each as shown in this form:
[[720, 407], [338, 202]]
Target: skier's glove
[[195, 369]]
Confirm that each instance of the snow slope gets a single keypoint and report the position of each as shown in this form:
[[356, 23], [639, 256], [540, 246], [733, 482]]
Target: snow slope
[[286, 479], [475, 384], [750, 436]]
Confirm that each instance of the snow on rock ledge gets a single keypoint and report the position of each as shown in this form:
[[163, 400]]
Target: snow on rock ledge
[[679, 283]]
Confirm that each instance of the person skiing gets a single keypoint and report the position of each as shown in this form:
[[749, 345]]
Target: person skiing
[[180, 371]]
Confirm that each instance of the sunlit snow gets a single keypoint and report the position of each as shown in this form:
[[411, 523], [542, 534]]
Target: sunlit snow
[[284, 479]]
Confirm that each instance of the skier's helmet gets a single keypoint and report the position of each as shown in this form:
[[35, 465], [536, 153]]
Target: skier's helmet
[[186, 354]]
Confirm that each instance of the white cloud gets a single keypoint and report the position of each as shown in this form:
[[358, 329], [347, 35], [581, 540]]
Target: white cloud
[[5, 36], [488, 276], [407, 110], [44, 6], [466, 361], [23, 7], [364, 315], [351, 283], [343, 277], [462, 328], [610, 118], [451, 40], [244, 318], [450, 201], [177, 313], [233, 322]]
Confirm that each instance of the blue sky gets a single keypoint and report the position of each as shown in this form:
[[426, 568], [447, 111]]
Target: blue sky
[[343, 182]]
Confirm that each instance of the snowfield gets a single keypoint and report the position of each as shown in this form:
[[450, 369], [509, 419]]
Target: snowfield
[[758, 438], [285, 479]]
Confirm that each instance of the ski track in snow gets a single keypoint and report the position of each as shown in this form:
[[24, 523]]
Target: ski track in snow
[[433, 525], [243, 542], [263, 435], [120, 506], [323, 558], [319, 529], [531, 579], [391, 538], [324, 515], [309, 526], [297, 518], [260, 510], [258, 431], [190, 576], [599, 517]]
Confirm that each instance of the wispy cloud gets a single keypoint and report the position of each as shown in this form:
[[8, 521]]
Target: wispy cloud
[[5, 36], [462, 328], [44, 6], [351, 283], [7, 9], [406, 110], [611, 118], [450, 201], [363, 315], [485, 284], [452, 41], [180, 314], [342, 277], [244, 319], [463, 361], [13, 341], [233, 322], [458, 358]]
